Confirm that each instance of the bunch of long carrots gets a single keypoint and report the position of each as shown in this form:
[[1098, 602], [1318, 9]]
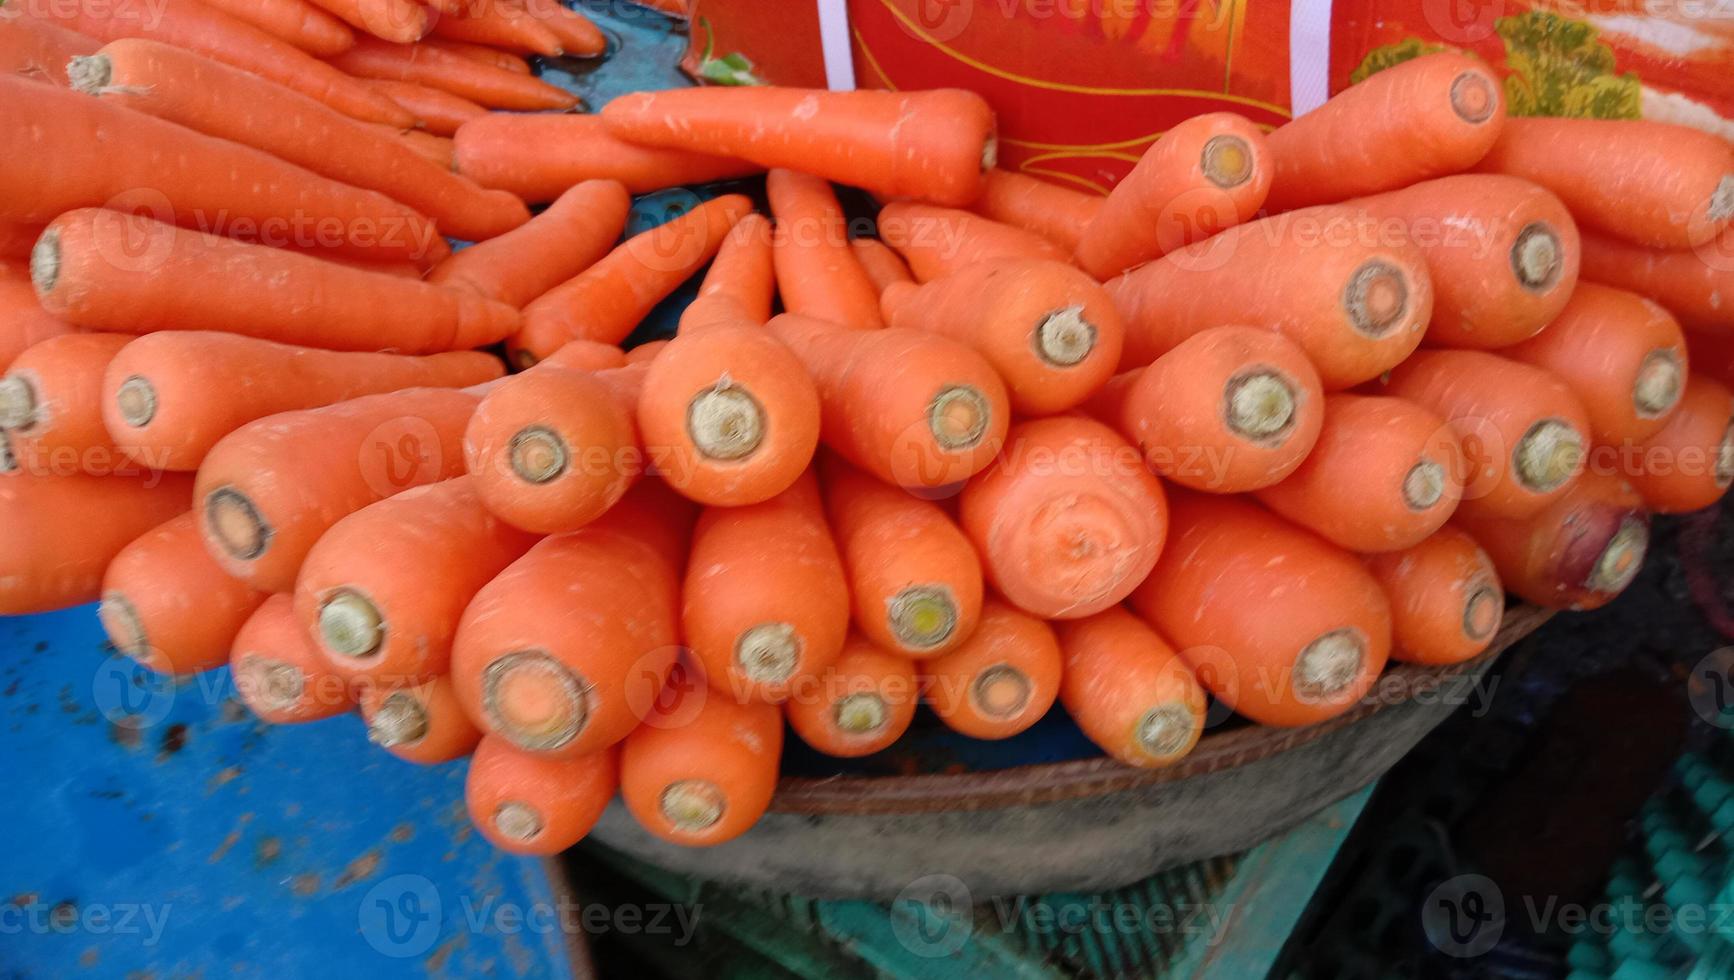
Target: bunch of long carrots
[[1278, 410]]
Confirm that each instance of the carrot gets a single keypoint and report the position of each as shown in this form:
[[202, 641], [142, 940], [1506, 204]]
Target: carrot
[[567, 238], [277, 672], [1621, 354], [389, 615], [188, 280], [538, 156], [1068, 522], [1425, 118], [228, 103], [1228, 410], [17, 238], [166, 604], [1128, 690], [65, 526], [436, 110], [563, 653], [404, 21], [1523, 432], [1502, 252], [1384, 475], [1648, 183], [766, 600], [436, 150], [1712, 355], [49, 398], [514, 63], [498, 25], [1208, 173], [816, 272], [495, 88], [605, 301], [701, 776], [1688, 464], [268, 490], [589, 355], [1051, 211], [1695, 285], [1001, 680], [943, 421], [861, 704], [937, 241], [554, 448], [644, 353], [1446, 600], [168, 397], [578, 35], [933, 145], [533, 805], [423, 724], [914, 578], [66, 161], [1356, 303], [192, 25], [39, 50], [1578, 552], [23, 321], [883, 266], [297, 22], [741, 283], [1047, 328], [1280, 626]]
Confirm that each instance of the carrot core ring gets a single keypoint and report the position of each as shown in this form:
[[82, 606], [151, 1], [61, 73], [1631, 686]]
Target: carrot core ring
[[401, 720], [922, 616], [1165, 730], [45, 261], [1328, 665], [1259, 405], [120, 621], [1547, 455], [1659, 383], [860, 714], [537, 454], [767, 653], [1000, 691], [534, 700], [1064, 337], [236, 523], [517, 821], [1481, 612], [1226, 161], [1424, 485], [692, 804], [1472, 97], [958, 417], [275, 684], [17, 403], [137, 400], [725, 422], [1536, 257], [1619, 562], [1376, 298], [350, 624]]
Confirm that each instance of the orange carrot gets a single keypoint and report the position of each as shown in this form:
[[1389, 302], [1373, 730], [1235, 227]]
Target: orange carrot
[[1695, 285], [388, 615], [1229, 409], [1649, 183], [498, 25], [514, 63], [166, 604], [937, 241], [268, 490], [861, 704], [404, 21], [1128, 690], [1322, 627], [1385, 474], [644, 353], [578, 35], [1429, 117], [817, 274], [1446, 600], [49, 401], [67, 160], [65, 526], [168, 397], [496, 88], [277, 672], [914, 577], [230, 104], [569, 237], [187, 280], [942, 421], [1523, 432], [297, 22], [1068, 523], [1002, 680], [1056, 213], [1356, 303], [1208, 173], [1050, 331], [741, 283], [1578, 552], [565, 651], [537, 156], [39, 50], [1502, 252], [554, 448], [766, 600], [1710, 354], [533, 805], [423, 724], [436, 110], [1688, 464], [701, 776], [436, 150], [883, 266], [192, 25], [1621, 354], [605, 301], [932, 145], [16, 240], [589, 355], [23, 321]]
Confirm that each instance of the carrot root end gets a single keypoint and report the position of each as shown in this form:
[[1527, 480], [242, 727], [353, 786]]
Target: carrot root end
[[237, 524], [1259, 405], [137, 400], [1482, 612], [1226, 161], [45, 261], [517, 821], [1659, 385], [1064, 337], [17, 402], [1536, 257], [120, 620], [537, 454], [350, 624], [725, 422], [401, 720], [1619, 562], [922, 616], [1547, 455], [1000, 691], [275, 684], [958, 417], [768, 653], [1329, 665], [1424, 485], [1166, 730], [692, 805], [1376, 298], [534, 701], [1473, 97]]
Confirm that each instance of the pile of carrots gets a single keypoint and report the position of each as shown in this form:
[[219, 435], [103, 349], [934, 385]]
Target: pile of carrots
[[1279, 408]]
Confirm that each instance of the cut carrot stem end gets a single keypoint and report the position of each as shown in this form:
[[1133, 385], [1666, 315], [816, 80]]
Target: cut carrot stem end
[[1536, 257], [45, 261], [1621, 559], [725, 422], [240, 529], [922, 616], [534, 701], [693, 804], [17, 403], [1547, 455], [1659, 385], [958, 417], [1376, 298], [1166, 729], [401, 720], [1064, 337], [517, 821], [89, 74], [1000, 691], [538, 455], [1260, 405], [1329, 665], [1424, 484], [351, 625], [121, 622], [1472, 97], [277, 685], [1482, 612], [1226, 161], [137, 400], [1722, 201], [768, 653], [861, 714]]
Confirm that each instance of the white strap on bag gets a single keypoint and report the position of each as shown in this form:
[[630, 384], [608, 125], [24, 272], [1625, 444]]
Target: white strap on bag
[[1309, 54], [834, 43]]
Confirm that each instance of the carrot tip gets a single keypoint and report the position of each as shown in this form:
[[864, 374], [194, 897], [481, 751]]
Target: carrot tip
[[693, 804], [1376, 298], [17, 403], [1000, 691], [1547, 455], [1536, 257], [349, 624], [1482, 612], [1722, 200], [860, 714], [537, 454], [89, 74], [1064, 337], [274, 684], [922, 616], [517, 821], [768, 653], [237, 524], [401, 720], [1226, 161], [725, 422], [1620, 560], [1424, 484], [958, 417], [1260, 406], [1472, 97], [45, 261], [1166, 730], [534, 701], [121, 622], [1329, 665], [137, 400], [1659, 385]]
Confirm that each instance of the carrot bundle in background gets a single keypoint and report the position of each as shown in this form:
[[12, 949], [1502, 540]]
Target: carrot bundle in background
[[579, 36], [279, 675], [1056, 213], [1001, 680], [483, 84], [297, 22], [702, 775], [1579, 551], [421, 723], [537, 156], [1446, 600], [501, 26], [167, 604], [49, 401], [816, 271], [534, 805], [862, 703], [571, 235], [1687, 464], [935, 241], [1128, 690], [1694, 284]]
